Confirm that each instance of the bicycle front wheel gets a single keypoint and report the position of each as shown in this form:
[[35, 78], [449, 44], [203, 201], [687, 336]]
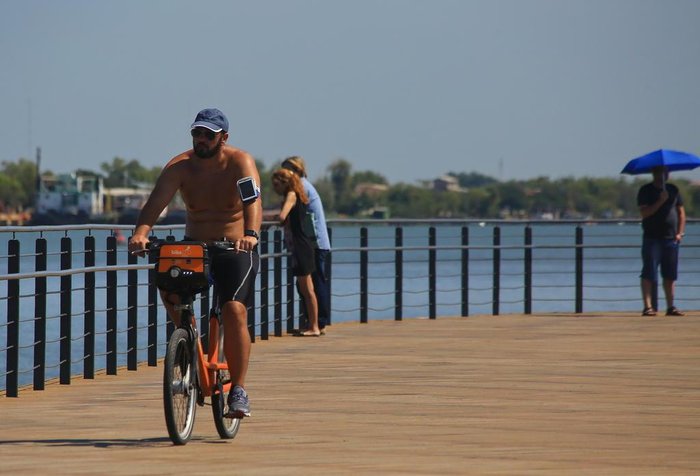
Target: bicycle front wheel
[[179, 388]]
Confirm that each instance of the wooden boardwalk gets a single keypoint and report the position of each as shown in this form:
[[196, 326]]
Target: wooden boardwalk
[[555, 394]]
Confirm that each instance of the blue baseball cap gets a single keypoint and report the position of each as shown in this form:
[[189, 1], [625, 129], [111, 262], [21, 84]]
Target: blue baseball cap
[[212, 119]]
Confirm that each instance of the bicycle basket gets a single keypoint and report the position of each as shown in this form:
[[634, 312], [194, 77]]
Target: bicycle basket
[[182, 267]]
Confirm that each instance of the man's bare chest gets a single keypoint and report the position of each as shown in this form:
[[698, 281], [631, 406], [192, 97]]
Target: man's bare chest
[[210, 190]]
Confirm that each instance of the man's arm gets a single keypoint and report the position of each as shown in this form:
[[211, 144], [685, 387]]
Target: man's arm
[[648, 210], [252, 211], [163, 192], [681, 223]]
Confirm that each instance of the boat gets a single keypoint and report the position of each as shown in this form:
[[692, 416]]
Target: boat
[[74, 198]]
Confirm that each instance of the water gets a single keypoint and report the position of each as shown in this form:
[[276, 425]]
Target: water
[[610, 279]]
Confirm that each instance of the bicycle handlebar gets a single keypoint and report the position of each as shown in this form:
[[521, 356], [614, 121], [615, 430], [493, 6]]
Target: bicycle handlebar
[[154, 244]]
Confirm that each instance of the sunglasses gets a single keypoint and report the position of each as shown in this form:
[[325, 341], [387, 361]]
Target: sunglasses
[[202, 130]]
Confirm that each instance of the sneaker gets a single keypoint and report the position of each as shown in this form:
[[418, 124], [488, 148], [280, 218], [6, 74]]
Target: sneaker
[[673, 311], [238, 405]]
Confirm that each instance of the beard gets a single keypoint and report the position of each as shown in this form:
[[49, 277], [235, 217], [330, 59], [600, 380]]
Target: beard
[[205, 152]]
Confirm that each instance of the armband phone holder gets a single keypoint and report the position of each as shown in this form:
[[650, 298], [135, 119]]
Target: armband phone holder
[[248, 189]]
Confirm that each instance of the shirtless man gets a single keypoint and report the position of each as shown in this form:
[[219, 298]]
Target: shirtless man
[[207, 177]]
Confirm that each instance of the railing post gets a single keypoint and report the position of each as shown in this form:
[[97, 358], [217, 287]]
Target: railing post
[[496, 269], [264, 287], [398, 274], [89, 310], [111, 328], [40, 316], [363, 274], [277, 274], [153, 305], [132, 287], [465, 271], [432, 273], [169, 324], [528, 270], [290, 295], [12, 364], [579, 269], [66, 308], [251, 313], [329, 277]]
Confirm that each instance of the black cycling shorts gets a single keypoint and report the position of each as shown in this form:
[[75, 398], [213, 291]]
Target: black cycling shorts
[[233, 273]]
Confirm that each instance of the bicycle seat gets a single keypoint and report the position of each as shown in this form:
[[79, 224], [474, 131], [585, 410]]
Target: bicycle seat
[[182, 267]]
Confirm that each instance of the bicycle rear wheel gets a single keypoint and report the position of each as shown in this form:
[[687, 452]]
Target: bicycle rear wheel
[[179, 388], [226, 427]]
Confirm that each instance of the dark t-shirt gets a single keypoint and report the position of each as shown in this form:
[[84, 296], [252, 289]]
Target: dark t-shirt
[[663, 223]]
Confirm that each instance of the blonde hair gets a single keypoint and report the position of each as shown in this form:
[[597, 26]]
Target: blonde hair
[[291, 181], [296, 164]]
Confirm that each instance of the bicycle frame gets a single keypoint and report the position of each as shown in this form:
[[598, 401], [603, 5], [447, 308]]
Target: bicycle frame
[[207, 364]]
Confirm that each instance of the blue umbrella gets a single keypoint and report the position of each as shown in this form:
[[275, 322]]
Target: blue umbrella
[[672, 159]]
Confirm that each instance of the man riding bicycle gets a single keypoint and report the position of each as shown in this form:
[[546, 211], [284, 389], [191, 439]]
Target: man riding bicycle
[[218, 184]]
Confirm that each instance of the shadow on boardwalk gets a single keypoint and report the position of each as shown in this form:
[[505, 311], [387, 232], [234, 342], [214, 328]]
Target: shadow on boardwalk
[[594, 394]]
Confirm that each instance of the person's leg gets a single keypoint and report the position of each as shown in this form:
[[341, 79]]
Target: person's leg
[[651, 256], [669, 273], [669, 291], [234, 275], [322, 287], [236, 340], [306, 287], [169, 301], [647, 289]]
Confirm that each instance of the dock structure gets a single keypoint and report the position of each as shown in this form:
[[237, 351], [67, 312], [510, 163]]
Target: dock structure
[[512, 394]]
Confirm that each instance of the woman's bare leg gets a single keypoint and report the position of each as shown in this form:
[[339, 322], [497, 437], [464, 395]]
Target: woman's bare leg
[[306, 287]]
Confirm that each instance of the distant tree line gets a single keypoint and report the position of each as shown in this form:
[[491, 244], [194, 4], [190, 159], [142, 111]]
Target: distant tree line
[[355, 194]]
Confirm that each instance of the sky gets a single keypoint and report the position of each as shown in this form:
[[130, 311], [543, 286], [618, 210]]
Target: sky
[[409, 89]]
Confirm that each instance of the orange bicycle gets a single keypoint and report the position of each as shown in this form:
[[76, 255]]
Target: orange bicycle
[[182, 268]]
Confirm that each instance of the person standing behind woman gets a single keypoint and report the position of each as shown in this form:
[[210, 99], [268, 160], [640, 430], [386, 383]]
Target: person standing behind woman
[[323, 243], [292, 215], [663, 222]]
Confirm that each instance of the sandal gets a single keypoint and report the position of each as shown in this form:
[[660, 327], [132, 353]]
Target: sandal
[[673, 311], [649, 311]]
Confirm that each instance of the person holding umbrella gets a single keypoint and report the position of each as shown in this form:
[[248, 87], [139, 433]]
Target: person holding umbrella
[[663, 223]]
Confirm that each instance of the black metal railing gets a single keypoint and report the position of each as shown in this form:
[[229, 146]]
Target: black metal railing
[[82, 308]]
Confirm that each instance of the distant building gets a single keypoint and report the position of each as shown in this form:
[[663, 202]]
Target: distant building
[[446, 183], [370, 189]]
